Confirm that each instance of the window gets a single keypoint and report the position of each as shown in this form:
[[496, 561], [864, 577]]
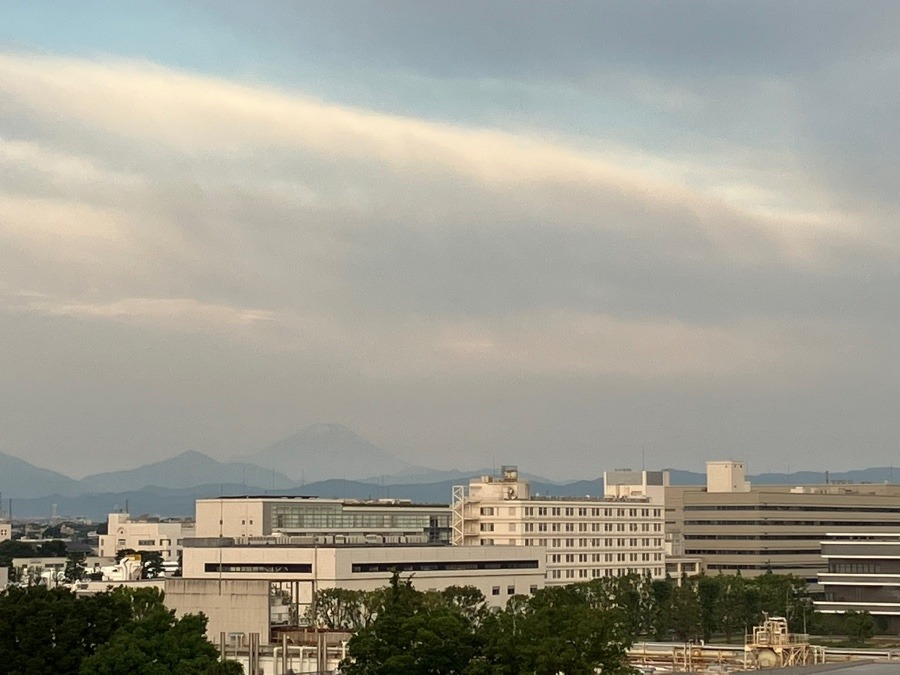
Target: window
[[487, 527], [146, 542], [495, 590], [533, 589], [510, 590], [487, 510]]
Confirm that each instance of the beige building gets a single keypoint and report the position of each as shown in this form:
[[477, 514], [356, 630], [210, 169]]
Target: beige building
[[584, 538], [734, 526], [325, 521], [164, 536], [234, 584], [5, 530]]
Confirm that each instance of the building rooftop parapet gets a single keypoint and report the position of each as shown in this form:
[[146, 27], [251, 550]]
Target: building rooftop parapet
[[637, 499], [285, 542]]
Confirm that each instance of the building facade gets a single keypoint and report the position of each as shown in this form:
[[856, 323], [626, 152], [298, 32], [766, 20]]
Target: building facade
[[164, 536], [734, 526], [325, 521], [584, 538], [5, 530], [862, 575]]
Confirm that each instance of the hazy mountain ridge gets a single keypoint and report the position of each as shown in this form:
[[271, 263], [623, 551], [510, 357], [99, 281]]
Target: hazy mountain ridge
[[186, 470], [326, 460], [323, 451]]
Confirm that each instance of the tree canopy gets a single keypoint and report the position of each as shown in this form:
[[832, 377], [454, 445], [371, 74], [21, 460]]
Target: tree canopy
[[51, 630]]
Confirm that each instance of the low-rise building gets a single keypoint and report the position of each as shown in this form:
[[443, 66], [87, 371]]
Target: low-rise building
[[217, 571], [584, 537], [5, 530], [146, 533], [862, 575]]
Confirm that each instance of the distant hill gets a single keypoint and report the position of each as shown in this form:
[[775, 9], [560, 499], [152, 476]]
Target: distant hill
[[186, 470], [324, 451], [18, 479]]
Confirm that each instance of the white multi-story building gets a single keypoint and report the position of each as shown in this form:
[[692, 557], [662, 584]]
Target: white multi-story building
[[584, 537], [5, 530], [164, 536]]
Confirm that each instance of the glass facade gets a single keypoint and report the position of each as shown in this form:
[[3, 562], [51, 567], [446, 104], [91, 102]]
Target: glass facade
[[308, 517]]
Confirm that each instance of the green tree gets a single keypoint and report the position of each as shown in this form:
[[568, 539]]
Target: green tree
[[74, 569], [860, 626], [685, 610], [151, 564], [159, 644], [559, 629], [709, 605], [50, 630], [52, 549], [412, 636]]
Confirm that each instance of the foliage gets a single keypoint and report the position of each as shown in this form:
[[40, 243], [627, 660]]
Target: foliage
[[573, 629], [860, 626], [342, 609], [45, 630], [74, 569], [158, 644], [51, 630]]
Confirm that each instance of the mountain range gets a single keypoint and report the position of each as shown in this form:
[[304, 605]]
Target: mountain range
[[326, 460]]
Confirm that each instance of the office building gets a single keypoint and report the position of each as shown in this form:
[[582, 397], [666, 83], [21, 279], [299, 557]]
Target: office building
[[734, 526], [162, 535], [862, 575], [584, 537]]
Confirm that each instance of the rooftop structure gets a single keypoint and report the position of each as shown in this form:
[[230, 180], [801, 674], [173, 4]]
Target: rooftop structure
[[585, 537]]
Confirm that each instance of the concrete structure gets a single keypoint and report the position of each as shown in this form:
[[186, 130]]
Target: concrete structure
[[231, 606], [863, 575], [163, 535], [498, 573], [754, 529], [4, 577], [249, 587], [727, 476], [5, 530], [325, 521], [585, 538]]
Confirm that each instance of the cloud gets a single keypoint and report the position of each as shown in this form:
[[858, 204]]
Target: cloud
[[395, 253]]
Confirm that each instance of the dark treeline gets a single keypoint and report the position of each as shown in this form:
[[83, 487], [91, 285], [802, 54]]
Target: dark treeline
[[573, 629], [51, 630]]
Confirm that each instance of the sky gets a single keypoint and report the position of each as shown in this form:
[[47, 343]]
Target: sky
[[572, 236]]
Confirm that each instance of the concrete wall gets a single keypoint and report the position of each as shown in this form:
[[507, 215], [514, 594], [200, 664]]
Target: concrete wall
[[233, 606]]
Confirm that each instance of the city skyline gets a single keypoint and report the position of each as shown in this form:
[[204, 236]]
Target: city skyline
[[547, 237]]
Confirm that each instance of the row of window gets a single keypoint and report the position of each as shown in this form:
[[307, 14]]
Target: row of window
[[783, 507], [583, 527], [750, 551], [597, 573], [593, 512], [854, 568], [446, 566], [560, 558], [799, 523]]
